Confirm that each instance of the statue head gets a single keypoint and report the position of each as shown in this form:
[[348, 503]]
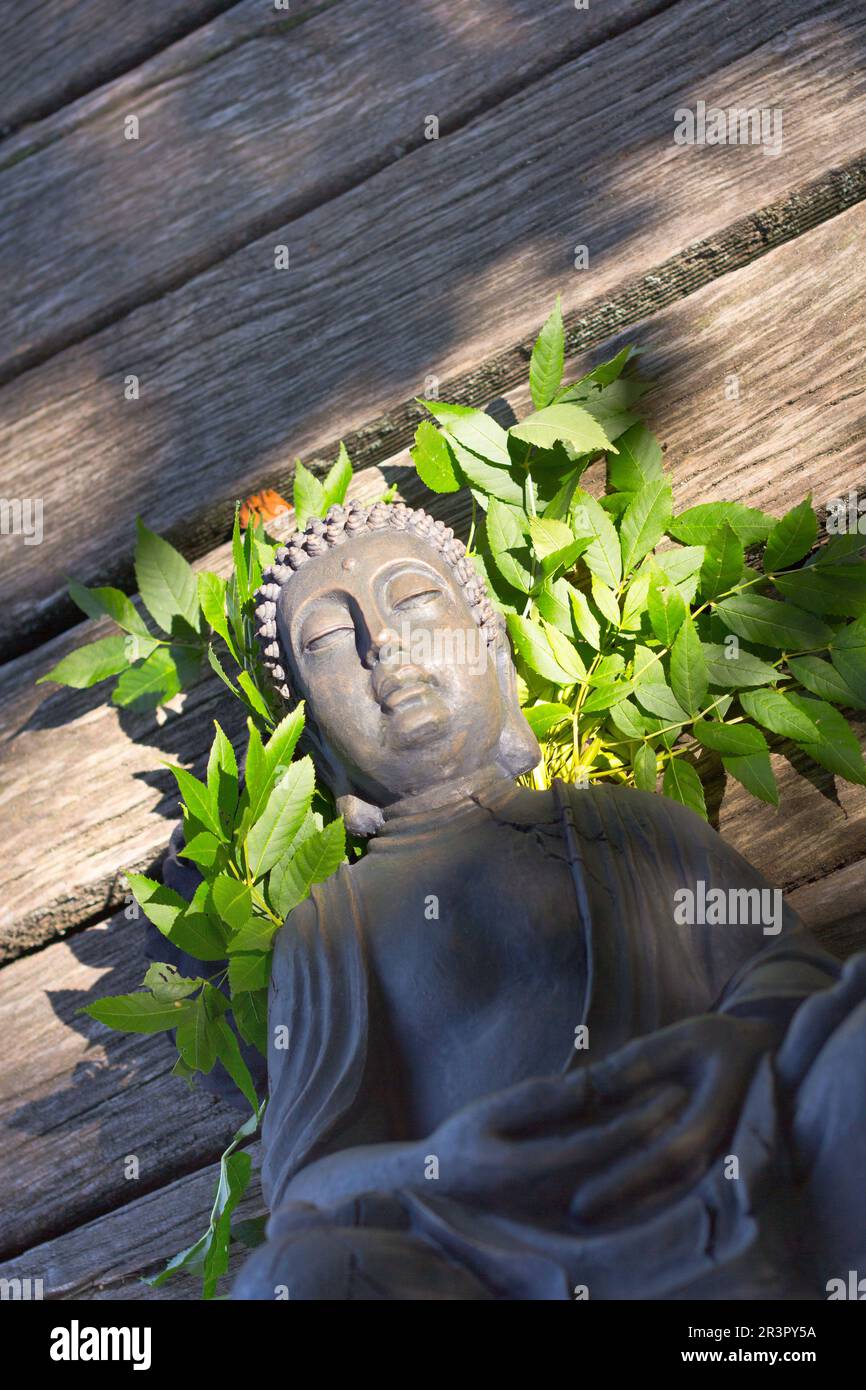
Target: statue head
[[380, 622]]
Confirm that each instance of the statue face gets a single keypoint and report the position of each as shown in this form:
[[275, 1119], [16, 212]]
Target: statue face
[[399, 680]]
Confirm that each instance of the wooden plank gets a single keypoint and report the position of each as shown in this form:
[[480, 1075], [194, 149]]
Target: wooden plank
[[798, 424], [107, 1258], [429, 267], [76, 1100], [286, 114], [51, 54], [839, 898]]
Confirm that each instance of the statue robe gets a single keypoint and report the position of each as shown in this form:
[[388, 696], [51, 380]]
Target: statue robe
[[594, 944]]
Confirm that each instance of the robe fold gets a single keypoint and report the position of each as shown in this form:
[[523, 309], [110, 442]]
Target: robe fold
[[337, 1083]]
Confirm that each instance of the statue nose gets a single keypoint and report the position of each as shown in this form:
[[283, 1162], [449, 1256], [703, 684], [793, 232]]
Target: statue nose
[[379, 642]]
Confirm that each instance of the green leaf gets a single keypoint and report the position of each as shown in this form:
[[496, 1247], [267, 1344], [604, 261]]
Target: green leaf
[[337, 479], [112, 603], [734, 671], [254, 696], [645, 521], [689, 677], [166, 582], [532, 646], [645, 770], [198, 799], [779, 714], [836, 589], [848, 655], [318, 857], [89, 665], [837, 747], [249, 970], [773, 624], [584, 619], [791, 538], [544, 717], [569, 423], [603, 556], [237, 1168], [667, 611], [634, 603], [308, 495], [151, 684], [638, 462], [756, 774], [628, 721], [196, 1042], [723, 562], [474, 429], [490, 479], [433, 460], [605, 601], [250, 1012], [232, 900], [549, 536], [160, 904], [202, 849], [229, 1052], [656, 697], [682, 783], [222, 779], [696, 525], [823, 680], [605, 373], [256, 935], [272, 834], [732, 740], [508, 543], [607, 696], [212, 597], [565, 653], [137, 1013], [548, 359], [166, 984], [265, 765], [682, 566]]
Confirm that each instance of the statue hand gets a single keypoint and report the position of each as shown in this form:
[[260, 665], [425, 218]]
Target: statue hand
[[714, 1058], [529, 1145]]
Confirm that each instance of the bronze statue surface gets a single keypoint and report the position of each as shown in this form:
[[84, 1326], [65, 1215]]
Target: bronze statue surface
[[514, 1069]]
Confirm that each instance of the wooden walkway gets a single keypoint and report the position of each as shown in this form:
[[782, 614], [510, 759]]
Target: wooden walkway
[[408, 258]]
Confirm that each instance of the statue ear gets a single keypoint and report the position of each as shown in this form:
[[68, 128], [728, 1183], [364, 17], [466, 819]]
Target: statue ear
[[361, 817], [518, 750]]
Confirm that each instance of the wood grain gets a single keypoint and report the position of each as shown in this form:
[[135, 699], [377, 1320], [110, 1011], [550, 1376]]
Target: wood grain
[[52, 53], [427, 268], [76, 1100], [252, 121], [106, 1259], [107, 804]]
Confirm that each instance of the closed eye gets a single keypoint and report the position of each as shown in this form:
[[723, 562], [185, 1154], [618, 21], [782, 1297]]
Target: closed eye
[[417, 599], [320, 640]]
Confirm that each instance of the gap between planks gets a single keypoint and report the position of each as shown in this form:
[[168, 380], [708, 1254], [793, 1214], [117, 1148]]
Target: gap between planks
[[433, 265]]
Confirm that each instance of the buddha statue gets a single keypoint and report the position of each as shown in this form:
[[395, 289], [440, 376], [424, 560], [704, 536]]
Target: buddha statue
[[515, 1069]]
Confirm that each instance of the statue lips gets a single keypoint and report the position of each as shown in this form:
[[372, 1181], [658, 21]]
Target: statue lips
[[408, 695], [394, 689]]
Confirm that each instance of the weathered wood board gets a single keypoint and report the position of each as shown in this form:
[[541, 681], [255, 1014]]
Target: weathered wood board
[[107, 1258], [77, 1100], [482, 224], [107, 804], [52, 53], [290, 114]]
